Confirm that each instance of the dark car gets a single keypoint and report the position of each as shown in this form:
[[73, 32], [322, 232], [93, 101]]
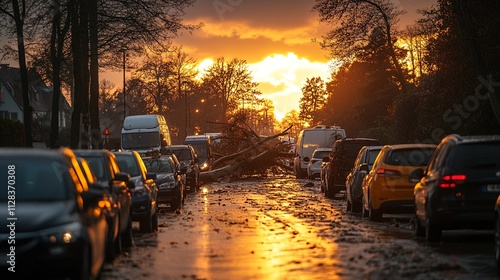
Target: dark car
[[362, 165], [342, 156], [145, 192], [187, 157], [459, 187], [170, 179], [107, 172], [56, 222]]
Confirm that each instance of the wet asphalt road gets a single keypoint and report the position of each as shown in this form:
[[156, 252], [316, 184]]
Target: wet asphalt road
[[283, 228]]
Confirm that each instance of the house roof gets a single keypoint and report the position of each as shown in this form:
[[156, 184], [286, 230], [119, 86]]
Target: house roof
[[40, 95]]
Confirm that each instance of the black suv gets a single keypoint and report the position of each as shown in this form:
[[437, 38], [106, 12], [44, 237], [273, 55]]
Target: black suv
[[188, 158], [344, 152], [145, 193], [105, 168], [459, 187]]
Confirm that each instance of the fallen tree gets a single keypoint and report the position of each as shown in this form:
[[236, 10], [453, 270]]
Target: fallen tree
[[242, 152]]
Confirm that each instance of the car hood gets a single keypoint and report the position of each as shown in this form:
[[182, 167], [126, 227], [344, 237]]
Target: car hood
[[32, 216], [138, 183]]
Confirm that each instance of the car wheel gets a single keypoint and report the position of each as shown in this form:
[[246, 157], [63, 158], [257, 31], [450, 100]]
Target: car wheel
[[83, 269], [355, 206], [146, 223], [432, 231], [126, 236], [374, 215], [155, 220], [111, 245], [497, 240], [418, 230]]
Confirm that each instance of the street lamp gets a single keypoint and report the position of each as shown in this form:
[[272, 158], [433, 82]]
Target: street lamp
[[124, 92], [186, 99]]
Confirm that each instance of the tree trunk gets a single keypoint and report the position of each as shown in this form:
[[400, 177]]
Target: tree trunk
[[94, 77], [27, 109]]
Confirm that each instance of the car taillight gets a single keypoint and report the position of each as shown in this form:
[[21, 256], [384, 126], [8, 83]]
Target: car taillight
[[383, 171], [451, 181]]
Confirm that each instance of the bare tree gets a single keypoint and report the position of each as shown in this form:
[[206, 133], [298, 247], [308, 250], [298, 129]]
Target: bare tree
[[18, 13], [355, 23], [231, 82]]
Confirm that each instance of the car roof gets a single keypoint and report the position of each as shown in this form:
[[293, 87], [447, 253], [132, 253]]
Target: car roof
[[177, 147], [323, 149], [410, 146], [55, 153], [86, 152]]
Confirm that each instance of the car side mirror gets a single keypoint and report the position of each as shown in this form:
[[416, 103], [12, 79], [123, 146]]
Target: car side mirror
[[326, 159], [416, 175], [93, 195], [122, 176], [131, 185], [151, 175], [306, 159]]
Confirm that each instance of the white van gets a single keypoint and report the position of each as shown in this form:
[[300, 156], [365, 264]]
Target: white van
[[321, 136], [145, 133]]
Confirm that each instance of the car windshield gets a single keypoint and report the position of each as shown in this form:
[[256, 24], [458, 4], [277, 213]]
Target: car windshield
[[35, 179], [201, 149], [409, 157], [476, 156], [97, 165], [158, 165], [320, 154], [143, 140], [128, 164], [182, 154]]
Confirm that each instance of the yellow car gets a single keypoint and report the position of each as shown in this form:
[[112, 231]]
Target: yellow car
[[387, 188]]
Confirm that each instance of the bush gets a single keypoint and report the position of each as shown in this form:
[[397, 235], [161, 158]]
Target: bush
[[11, 133]]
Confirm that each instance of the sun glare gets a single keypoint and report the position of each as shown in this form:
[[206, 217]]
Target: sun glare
[[203, 66]]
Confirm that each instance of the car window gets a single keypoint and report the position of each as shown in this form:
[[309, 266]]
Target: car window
[[371, 156], [128, 165], [37, 179], [97, 165], [409, 157], [475, 156]]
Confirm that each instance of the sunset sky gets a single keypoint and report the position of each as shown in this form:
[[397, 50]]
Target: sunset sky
[[273, 36]]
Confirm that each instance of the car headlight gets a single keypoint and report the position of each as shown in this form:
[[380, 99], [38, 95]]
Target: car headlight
[[204, 166], [63, 234]]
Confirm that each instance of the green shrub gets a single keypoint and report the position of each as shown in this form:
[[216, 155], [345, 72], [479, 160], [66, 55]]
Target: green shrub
[[11, 133]]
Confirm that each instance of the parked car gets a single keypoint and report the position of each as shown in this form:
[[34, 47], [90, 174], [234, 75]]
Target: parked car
[[170, 179], [108, 204], [107, 172], [187, 157], [55, 218], [145, 192], [387, 188], [314, 163], [342, 156], [459, 187], [362, 165]]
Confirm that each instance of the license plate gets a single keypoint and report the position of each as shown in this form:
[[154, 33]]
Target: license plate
[[493, 188]]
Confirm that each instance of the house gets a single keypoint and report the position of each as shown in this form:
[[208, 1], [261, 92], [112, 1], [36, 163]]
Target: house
[[40, 95]]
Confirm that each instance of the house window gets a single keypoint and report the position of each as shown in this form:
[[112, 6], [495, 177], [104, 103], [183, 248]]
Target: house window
[[13, 116], [2, 96], [4, 114]]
